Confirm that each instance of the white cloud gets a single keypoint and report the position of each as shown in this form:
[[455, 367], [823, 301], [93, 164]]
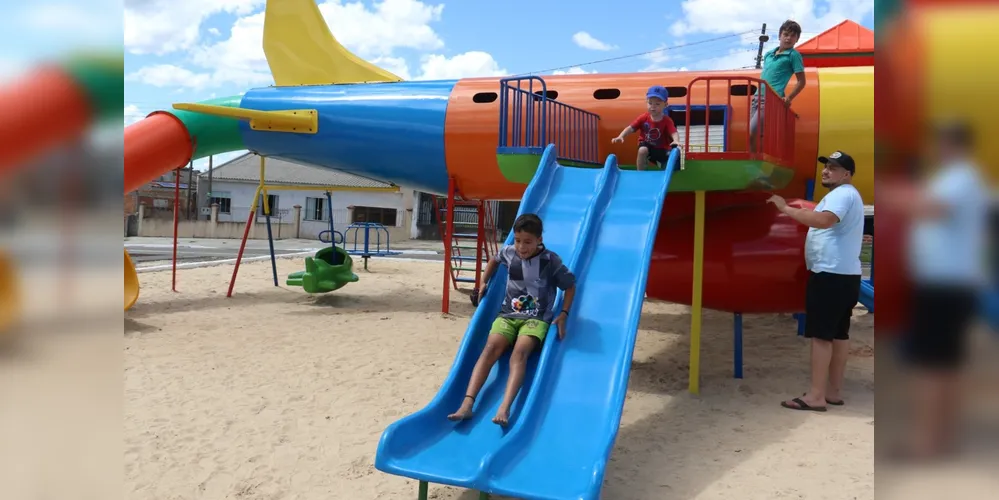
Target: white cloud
[[575, 70], [743, 18], [740, 58], [169, 75], [133, 114], [166, 26], [469, 64], [587, 41], [374, 34], [393, 24], [735, 16], [396, 65], [660, 60]]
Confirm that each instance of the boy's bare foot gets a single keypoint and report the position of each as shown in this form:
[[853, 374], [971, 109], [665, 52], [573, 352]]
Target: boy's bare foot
[[465, 412], [502, 417]]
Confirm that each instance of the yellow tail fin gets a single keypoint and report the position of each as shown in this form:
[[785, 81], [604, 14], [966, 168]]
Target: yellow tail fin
[[301, 50]]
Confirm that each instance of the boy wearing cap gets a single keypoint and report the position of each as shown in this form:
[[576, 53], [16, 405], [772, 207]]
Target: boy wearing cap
[[832, 256], [653, 127]]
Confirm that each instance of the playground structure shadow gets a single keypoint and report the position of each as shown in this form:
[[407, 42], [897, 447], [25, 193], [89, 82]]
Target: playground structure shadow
[[692, 441]]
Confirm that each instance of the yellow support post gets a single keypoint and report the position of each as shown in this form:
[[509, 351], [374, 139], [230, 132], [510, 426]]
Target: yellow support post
[[694, 384]]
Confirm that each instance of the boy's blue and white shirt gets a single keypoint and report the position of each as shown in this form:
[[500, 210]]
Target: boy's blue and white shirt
[[533, 283]]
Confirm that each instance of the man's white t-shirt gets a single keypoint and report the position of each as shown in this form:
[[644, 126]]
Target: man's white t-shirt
[[951, 250], [837, 249]]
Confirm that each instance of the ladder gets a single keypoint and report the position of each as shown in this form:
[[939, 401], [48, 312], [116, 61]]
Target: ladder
[[473, 240]]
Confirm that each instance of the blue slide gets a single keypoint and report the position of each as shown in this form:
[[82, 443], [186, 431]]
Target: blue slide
[[603, 222], [867, 294]]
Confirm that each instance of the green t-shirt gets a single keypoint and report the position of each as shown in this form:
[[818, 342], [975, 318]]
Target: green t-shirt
[[778, 68]]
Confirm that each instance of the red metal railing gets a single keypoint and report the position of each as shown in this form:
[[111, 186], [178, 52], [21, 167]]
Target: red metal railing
[[774, 135]]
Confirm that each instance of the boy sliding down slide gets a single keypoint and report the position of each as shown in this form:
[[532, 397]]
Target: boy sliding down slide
[[536, 274], [653, 127]]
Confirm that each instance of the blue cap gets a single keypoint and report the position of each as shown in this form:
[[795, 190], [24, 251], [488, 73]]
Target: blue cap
[[658, 91]]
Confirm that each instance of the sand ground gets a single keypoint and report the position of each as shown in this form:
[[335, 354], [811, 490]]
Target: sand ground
[[275, 394]]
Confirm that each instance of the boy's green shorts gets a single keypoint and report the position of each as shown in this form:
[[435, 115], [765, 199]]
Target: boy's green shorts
[[512, 328]]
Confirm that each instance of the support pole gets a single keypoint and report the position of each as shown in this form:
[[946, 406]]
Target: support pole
[[270, 237], [242, 244], [448, 233], [480, 244], [424, 489], [329, 210], [737, 346], [250, 219], [176, 221], [694, 384], [265, 199]]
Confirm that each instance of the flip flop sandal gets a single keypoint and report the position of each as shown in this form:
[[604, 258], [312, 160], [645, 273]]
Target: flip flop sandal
[[802, 406], [831, 402]]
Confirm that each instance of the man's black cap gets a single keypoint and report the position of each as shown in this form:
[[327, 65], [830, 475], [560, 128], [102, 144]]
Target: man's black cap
[[842, 159]]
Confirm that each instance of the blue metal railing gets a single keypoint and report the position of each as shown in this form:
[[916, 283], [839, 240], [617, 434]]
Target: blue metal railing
[[529, 121]]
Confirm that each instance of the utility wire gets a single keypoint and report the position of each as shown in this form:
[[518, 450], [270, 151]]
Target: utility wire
[[640, 54]]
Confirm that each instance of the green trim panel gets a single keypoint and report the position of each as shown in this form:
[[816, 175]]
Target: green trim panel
[[698, 175], [211, 134], [100, 78]]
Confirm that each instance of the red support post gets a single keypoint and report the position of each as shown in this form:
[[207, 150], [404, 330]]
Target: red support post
[[176, 221], [448, 235], [242, 246], [480, 243]]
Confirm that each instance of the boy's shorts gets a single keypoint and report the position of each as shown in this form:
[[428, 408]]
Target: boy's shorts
[[656, 155], [511, 328]]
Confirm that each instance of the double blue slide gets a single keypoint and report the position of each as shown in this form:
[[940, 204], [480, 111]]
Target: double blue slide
[[564, 422]]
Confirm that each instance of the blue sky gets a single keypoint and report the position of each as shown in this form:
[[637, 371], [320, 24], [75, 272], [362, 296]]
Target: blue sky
[[187, 50]]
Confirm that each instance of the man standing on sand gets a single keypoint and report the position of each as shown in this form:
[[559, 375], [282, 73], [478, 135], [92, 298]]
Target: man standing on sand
[[832, 256]]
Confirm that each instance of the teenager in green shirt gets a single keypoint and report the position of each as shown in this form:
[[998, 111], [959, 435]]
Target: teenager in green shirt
[[778, 66]]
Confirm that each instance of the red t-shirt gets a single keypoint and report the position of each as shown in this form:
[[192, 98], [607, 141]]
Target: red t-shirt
[[656, 134]]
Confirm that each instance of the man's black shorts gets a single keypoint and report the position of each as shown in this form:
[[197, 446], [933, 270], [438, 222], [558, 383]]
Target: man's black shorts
[[829, 302], [656, 154], [940, 319]]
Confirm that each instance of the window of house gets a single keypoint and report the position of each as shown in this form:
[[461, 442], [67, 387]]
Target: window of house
[[223, 200], [272, 204], [383, 216], [316, 209]]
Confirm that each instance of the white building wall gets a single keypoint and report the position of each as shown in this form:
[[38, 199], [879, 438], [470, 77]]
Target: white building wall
[[241, 196]]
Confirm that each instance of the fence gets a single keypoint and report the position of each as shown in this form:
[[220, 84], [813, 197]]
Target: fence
[[530, 120], [775, 134], [285, 223]]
